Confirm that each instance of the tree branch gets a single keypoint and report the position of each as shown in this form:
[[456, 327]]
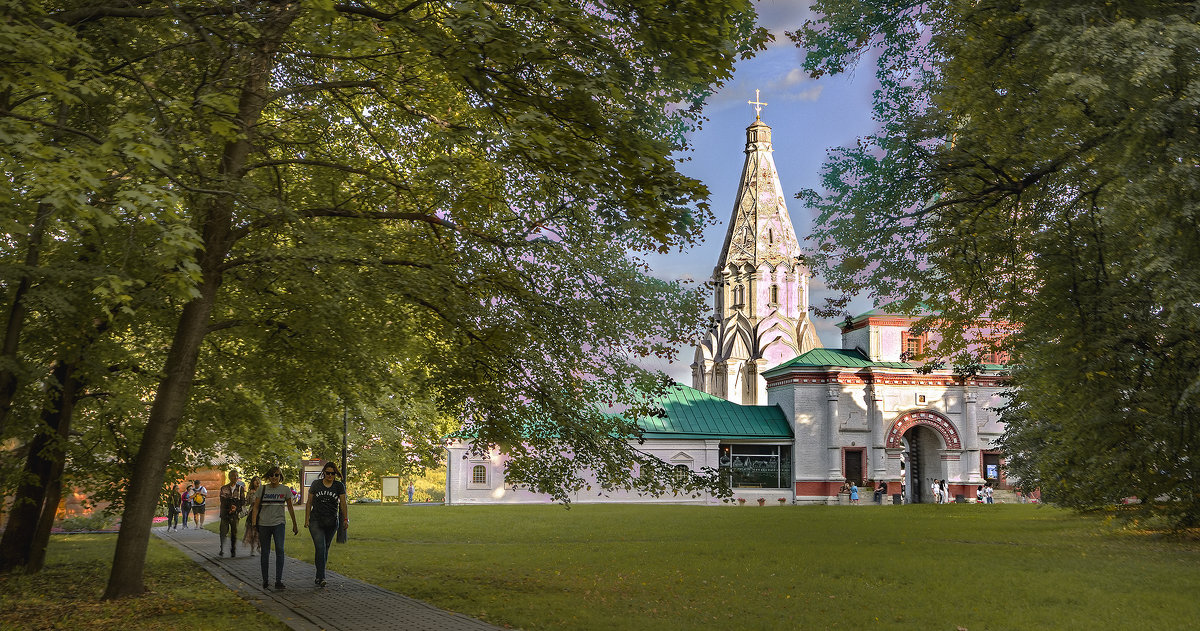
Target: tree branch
[[319, 87], [91, 14]]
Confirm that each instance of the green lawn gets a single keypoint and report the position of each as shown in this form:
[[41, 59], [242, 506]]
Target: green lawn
[[679, 567], [66, 594]]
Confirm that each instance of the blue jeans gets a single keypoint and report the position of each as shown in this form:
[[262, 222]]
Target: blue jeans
[[322, 538], [265, 534]]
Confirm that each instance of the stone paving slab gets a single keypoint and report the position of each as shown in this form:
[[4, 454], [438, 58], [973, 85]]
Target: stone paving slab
[[346, 604]]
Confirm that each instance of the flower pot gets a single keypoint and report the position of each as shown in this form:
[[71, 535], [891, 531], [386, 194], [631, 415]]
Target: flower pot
[[762, 501]]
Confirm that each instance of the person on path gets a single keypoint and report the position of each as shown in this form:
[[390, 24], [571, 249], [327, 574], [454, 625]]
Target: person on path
[[987, 492], [945, 492], [979, 494], [173, 501], [936, 489], [325, 510], [186, 503], [853, 493], [251, 536], [269, 502], [410, 492], [199, 498], [233, 498]]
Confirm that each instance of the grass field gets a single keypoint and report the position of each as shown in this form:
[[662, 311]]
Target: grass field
[[66, 594], [678, 567]]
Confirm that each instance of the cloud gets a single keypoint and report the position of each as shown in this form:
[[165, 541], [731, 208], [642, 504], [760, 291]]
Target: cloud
[[794, 76]]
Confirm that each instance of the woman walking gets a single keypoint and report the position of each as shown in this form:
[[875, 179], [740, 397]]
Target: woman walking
[[173, 501], [186, 503], [251, 536], [268, 518], [325, 510]]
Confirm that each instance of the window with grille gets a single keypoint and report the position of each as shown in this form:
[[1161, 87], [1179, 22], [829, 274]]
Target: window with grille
[[479, 474], [912, 345]]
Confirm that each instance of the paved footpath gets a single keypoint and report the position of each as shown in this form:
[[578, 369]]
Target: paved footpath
[[345, 604]]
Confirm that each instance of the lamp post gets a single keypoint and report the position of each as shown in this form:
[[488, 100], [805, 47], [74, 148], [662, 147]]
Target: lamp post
[[345, 433]]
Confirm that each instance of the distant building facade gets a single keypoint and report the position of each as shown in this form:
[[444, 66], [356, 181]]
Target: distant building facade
[[782, 417]]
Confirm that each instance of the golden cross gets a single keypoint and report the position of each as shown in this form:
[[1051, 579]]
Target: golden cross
[[757, 105]]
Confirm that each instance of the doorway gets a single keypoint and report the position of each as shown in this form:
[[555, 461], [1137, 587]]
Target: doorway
[[855, 466], [921, 446]]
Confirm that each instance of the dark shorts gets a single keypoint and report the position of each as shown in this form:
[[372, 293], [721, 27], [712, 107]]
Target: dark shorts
[[198, 508]]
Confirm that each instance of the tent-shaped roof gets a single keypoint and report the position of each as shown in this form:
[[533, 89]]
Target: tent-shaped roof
[[691, 413]]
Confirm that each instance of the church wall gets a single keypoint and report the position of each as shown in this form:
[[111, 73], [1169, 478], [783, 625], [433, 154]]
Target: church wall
[[830, 419], [462, 490], [858, 338]]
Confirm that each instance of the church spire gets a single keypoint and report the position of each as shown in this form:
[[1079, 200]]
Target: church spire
[[761, 288], [760, 230]]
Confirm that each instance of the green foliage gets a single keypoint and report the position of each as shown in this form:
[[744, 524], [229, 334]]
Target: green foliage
[[96, 521], [428, 213], [1037, 164], [696, 567]]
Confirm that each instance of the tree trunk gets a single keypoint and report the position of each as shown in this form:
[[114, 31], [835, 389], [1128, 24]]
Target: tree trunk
[[41, 536], [150, 465], [16, 314], [43, 464]]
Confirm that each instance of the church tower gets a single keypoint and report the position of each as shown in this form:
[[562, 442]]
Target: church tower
[[760, 287]]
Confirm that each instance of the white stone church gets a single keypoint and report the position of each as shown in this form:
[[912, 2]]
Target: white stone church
[[782, 417]]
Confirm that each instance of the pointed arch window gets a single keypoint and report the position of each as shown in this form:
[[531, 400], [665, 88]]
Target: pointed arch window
[[739, 296], [774, 294]]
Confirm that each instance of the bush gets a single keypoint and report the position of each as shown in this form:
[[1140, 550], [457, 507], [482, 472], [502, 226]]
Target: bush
[[83, 523]]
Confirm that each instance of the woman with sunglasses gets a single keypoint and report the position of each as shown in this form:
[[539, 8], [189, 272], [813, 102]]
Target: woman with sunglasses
[[268, 518], [326, 508]]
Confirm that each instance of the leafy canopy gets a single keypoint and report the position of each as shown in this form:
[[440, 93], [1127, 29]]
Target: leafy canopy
[[1037, 164]]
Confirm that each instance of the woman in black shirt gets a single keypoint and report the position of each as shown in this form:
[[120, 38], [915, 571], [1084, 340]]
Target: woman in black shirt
[[325, 511]]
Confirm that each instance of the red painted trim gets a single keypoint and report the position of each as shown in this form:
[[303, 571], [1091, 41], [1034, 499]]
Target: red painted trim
[[865, 376], [817, 488], [879, 321], [928, 418]]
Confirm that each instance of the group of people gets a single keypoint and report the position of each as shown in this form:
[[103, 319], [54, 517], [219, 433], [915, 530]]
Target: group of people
[[326, 516], [190, 502], [941, 495]]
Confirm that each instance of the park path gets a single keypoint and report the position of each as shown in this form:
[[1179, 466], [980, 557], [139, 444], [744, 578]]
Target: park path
[[345, 604]]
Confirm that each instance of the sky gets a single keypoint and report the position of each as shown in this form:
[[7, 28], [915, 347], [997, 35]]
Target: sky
[[807, 118]]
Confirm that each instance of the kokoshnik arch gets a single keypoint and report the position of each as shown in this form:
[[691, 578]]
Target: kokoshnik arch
[[781, 416]]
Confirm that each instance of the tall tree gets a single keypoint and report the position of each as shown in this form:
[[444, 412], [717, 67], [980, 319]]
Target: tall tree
[[435, 197], [1038, 163]]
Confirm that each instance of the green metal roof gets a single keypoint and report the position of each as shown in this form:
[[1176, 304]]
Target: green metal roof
[[849, 358], [695, 414], [840, 357]]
